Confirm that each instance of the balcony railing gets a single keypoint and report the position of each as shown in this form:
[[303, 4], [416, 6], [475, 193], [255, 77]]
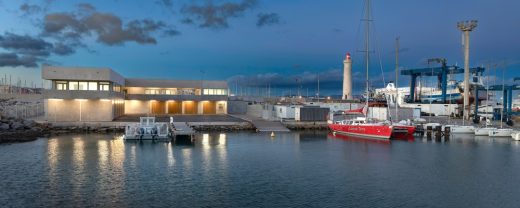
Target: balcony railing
[[176, 97]]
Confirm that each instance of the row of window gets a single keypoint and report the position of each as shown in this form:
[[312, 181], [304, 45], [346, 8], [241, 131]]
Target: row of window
[[79, 85], [170, 92], [215, 92]]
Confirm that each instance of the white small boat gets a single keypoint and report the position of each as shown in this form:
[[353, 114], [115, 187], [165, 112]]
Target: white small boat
[[501, 133], [516, 135], [456, 129], [484, 131], [146, 129]]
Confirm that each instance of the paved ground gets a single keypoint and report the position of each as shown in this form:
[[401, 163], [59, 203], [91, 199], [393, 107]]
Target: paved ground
[[263, 125], [182, 118]]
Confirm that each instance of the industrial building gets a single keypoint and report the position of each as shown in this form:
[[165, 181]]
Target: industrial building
[[101, 94]]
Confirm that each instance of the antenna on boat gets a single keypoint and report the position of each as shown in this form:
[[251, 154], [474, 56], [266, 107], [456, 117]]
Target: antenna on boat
[[396, 78]]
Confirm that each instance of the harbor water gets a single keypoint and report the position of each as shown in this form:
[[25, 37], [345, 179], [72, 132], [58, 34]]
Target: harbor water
[[297, 169]]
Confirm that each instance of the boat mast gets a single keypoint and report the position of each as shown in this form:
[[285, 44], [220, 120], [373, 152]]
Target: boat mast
[[367, 53], [503, 103], [396, 79]]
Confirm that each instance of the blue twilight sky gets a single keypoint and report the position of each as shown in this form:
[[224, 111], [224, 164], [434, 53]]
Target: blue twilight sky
[[252, 43]]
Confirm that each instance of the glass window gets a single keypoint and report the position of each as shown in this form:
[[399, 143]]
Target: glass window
[[116, 88], [73, 86], [206, 91], [219, 92], [211, 91], [224, 92], [92, 86], [104, 86], [61, 85], [83, 86]]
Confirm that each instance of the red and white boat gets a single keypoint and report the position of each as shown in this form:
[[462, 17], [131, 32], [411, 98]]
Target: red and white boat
[[359, 127]]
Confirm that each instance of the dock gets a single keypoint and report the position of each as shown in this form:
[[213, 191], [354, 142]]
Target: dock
[[180, 129], [263, 125]]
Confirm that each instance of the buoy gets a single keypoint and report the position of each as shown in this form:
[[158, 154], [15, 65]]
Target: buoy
[[272, 133]]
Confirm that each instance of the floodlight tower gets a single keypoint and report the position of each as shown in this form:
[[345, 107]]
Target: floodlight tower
[[466, 27]]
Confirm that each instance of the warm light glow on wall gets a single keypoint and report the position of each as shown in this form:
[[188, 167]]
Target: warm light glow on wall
[[55, 99], [105, 100], [80, 99]]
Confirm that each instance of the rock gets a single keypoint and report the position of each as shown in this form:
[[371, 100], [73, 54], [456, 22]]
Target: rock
[[29, 123], [4, 127], [17, 126], [36, 129]]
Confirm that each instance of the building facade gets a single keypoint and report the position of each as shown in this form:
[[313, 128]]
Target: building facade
[[101, 94]]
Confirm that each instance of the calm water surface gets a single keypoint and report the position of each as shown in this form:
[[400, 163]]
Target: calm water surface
[[302, 169]]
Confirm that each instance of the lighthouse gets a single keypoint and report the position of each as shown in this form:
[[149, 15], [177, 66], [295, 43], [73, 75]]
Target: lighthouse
[[347, 78]]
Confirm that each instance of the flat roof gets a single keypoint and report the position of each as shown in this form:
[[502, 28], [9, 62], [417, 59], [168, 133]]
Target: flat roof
[[81, 74], [107, 74], [167, 83]]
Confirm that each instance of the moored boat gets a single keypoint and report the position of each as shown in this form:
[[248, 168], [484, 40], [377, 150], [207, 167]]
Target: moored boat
[[456, 129], [359, 127], [147, 128], [501, 132], [515, 135], [484, 131]]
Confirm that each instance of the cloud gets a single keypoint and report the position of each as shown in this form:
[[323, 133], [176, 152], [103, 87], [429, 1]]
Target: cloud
[[25, 44], [171, 32], [107, 28], [30, 9], [216, 16], [265, 19], [28, 51], [13, 60]]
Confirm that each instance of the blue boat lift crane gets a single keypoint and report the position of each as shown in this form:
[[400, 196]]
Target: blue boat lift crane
[[507, 98], [440, 72]]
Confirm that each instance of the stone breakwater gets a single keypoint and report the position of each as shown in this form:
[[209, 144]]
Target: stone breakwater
[[20, 130], [306, 125], [244, 126]]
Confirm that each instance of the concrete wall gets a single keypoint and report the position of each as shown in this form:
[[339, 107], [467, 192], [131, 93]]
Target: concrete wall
[[81, 94], [255, 110], [237, 107], [137, 107], [78, 110]]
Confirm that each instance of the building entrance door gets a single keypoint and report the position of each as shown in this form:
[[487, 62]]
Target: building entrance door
[[174, 107], [158, 107]]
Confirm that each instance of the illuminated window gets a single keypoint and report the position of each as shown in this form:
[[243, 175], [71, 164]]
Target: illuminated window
[[116, 88], [104, 86], [82, 85], [206, 91], [92, 86], [61, 85], [73, 86]]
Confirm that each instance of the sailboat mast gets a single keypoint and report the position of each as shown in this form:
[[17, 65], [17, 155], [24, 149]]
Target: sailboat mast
[[396, 79], [367, 48]]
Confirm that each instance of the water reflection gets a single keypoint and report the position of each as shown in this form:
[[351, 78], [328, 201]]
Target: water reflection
[[235, 169]]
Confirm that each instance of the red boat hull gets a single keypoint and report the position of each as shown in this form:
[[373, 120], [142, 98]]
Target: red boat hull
[[364, 131], [403, 132]]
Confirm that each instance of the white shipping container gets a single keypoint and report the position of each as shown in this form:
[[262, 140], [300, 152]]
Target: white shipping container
[[284, 112]]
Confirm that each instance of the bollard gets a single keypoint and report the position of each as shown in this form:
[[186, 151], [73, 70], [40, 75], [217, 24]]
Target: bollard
[[438, 130], [429, 132], [447, 132]]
